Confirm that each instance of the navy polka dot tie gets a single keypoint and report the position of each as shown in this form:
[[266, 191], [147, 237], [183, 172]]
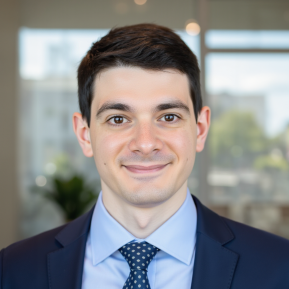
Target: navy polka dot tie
[[138, 255]]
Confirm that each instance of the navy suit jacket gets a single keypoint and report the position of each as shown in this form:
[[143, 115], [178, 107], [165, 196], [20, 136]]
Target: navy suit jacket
[[228, 255]]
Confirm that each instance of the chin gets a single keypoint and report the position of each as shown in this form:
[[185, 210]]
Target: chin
[[147, 196]]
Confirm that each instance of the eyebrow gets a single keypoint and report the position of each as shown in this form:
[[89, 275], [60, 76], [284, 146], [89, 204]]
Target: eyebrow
[[113, 105], [124, 107], [172, 104]]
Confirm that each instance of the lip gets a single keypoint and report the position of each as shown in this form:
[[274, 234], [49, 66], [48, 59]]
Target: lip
[[145, 169]]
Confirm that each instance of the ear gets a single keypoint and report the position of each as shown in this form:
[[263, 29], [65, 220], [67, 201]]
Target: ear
[[203, 125], [82, 133]]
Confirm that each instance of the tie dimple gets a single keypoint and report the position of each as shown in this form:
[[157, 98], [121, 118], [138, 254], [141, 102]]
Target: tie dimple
[[138, 255]]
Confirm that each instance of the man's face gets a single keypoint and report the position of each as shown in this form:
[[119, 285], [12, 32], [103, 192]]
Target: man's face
[[143, 133]]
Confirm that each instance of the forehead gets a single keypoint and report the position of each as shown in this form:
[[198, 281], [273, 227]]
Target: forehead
[[140, 86]]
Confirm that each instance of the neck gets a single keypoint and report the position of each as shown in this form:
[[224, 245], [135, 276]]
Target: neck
[[142, 221]]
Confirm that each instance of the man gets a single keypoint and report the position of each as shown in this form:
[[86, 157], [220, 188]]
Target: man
[[142, 120]]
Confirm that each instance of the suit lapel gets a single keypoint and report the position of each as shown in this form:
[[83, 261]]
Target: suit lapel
[[65, 265], [214, 264]]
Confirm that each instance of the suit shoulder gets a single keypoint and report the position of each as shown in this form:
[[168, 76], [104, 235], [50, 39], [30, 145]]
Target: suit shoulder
[[258, 241], [25, 262], [40, 243], [245, 230]]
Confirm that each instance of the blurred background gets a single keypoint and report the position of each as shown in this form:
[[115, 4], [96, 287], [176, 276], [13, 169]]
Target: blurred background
[[243, 51]]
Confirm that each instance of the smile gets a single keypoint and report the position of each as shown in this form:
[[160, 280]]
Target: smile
[[145, 169]]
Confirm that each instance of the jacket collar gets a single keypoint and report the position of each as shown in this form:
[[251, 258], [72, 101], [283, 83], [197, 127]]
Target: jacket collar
[[75, 229], [65, 265], [212, 225], [214, 263]]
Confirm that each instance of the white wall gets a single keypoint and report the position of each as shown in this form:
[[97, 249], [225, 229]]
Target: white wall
[[8, 122]]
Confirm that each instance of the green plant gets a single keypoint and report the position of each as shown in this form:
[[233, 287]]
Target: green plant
[[72, 195]]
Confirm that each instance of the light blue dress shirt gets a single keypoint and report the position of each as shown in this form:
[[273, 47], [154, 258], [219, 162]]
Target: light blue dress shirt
[[105, 267]]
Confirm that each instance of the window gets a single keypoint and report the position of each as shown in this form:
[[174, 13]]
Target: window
[[248, 168]]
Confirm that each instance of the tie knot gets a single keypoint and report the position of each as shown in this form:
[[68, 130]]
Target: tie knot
[[138, 255]]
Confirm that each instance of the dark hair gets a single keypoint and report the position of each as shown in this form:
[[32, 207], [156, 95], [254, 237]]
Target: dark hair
[[148, 46]]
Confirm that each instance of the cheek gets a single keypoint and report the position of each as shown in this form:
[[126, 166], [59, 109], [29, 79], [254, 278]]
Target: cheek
[[183, 144], [107, 147]]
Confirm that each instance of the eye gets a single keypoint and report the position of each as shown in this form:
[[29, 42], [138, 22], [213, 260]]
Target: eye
[[117, 120], [170, 117]]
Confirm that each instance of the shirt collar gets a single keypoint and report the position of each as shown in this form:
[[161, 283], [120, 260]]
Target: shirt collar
[[106, 234], [176, 237]]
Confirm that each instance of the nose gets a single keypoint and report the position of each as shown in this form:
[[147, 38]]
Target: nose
[[145, 140]]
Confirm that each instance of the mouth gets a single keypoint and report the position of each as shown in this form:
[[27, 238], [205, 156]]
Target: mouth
[[145, 169]]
